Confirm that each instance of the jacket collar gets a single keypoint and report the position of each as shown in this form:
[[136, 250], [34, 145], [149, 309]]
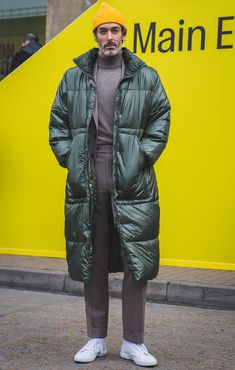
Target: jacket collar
[[87, 61], [31, 48]]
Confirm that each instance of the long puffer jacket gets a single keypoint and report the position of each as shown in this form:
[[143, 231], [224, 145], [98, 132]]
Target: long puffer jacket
[[140, 133]]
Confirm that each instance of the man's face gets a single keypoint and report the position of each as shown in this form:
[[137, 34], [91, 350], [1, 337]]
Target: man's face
[[109, 38], [25, 42]]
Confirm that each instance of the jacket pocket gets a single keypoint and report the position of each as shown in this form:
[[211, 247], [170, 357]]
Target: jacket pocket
[[68, 154], [77, 170], [131, 160], [143, 155]]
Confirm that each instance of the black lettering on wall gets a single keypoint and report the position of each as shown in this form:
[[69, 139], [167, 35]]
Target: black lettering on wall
[[194, 37], [170, 39], [181, 32], [220, 33], [191, 30], [138, 36]]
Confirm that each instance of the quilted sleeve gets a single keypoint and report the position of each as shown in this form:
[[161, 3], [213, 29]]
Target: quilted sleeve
[[156, 131], [60, 138]]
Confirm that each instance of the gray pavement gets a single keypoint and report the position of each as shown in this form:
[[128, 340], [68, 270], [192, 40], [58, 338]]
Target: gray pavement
[[175, 285], [171, 273], [43, 331]]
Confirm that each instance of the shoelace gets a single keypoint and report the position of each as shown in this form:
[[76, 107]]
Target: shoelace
[[142, 348], [91, 344]]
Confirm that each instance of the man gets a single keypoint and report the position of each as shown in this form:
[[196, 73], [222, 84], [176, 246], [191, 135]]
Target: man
[[30, 44], [109, 124]]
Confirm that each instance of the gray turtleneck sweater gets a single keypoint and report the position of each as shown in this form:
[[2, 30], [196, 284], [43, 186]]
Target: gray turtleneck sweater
[[109, 73]]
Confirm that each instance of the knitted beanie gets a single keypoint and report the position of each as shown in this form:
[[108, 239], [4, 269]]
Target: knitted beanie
[[107, 14]]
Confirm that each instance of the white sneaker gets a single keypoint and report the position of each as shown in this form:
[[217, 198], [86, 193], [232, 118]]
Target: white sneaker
[[94, 348], [137, 353]]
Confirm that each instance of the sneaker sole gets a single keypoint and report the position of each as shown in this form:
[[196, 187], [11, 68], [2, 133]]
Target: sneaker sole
[[128, 357], [87, 362]]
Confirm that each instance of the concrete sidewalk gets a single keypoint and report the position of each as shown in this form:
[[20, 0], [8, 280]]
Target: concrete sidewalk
[[175, 285], [42, 331]]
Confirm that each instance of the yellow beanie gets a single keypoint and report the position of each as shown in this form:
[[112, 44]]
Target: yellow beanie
[[107, 14]]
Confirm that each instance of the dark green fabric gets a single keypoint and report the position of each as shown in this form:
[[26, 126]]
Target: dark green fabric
[[140, 132]]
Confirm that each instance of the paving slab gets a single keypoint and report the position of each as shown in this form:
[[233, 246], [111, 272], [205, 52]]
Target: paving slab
[[174, 285], [166, 273]]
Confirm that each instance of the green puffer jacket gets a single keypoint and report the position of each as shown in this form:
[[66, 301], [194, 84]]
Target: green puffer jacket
[[140, 132]]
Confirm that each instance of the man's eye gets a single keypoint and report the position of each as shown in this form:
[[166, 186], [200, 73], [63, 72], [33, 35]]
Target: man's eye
[[113, 30]]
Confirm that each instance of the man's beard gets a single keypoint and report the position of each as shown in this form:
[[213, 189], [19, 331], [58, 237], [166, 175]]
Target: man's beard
[[111, 52]]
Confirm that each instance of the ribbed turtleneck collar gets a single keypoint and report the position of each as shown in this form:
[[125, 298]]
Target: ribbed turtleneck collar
[[109, 62]]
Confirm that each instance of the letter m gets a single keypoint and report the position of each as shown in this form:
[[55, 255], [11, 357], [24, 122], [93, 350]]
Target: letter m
[[138, 37]]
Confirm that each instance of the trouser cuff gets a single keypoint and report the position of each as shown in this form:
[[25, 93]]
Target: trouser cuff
[[97, 333], [135, 337]]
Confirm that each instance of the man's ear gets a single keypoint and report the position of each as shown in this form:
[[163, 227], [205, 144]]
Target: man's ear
[[123, 38], [95, 36]]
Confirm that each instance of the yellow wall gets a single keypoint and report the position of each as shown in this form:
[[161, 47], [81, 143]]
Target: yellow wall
[[195, 174]]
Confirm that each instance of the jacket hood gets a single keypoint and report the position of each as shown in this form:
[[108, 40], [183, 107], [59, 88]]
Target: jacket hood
[[87, 60], [31, 48]]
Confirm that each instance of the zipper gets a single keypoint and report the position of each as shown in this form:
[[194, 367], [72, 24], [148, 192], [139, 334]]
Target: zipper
[[91, 179], [116, 144]]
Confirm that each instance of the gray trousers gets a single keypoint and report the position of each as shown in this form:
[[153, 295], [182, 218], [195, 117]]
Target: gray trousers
[[96, 291]]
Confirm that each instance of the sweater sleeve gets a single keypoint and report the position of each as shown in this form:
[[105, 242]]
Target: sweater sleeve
[[60, 138]]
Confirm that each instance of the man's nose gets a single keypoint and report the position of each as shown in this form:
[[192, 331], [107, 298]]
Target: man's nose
[[110, 35]]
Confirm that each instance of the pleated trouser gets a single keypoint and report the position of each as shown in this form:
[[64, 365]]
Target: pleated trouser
[[96, 291]]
